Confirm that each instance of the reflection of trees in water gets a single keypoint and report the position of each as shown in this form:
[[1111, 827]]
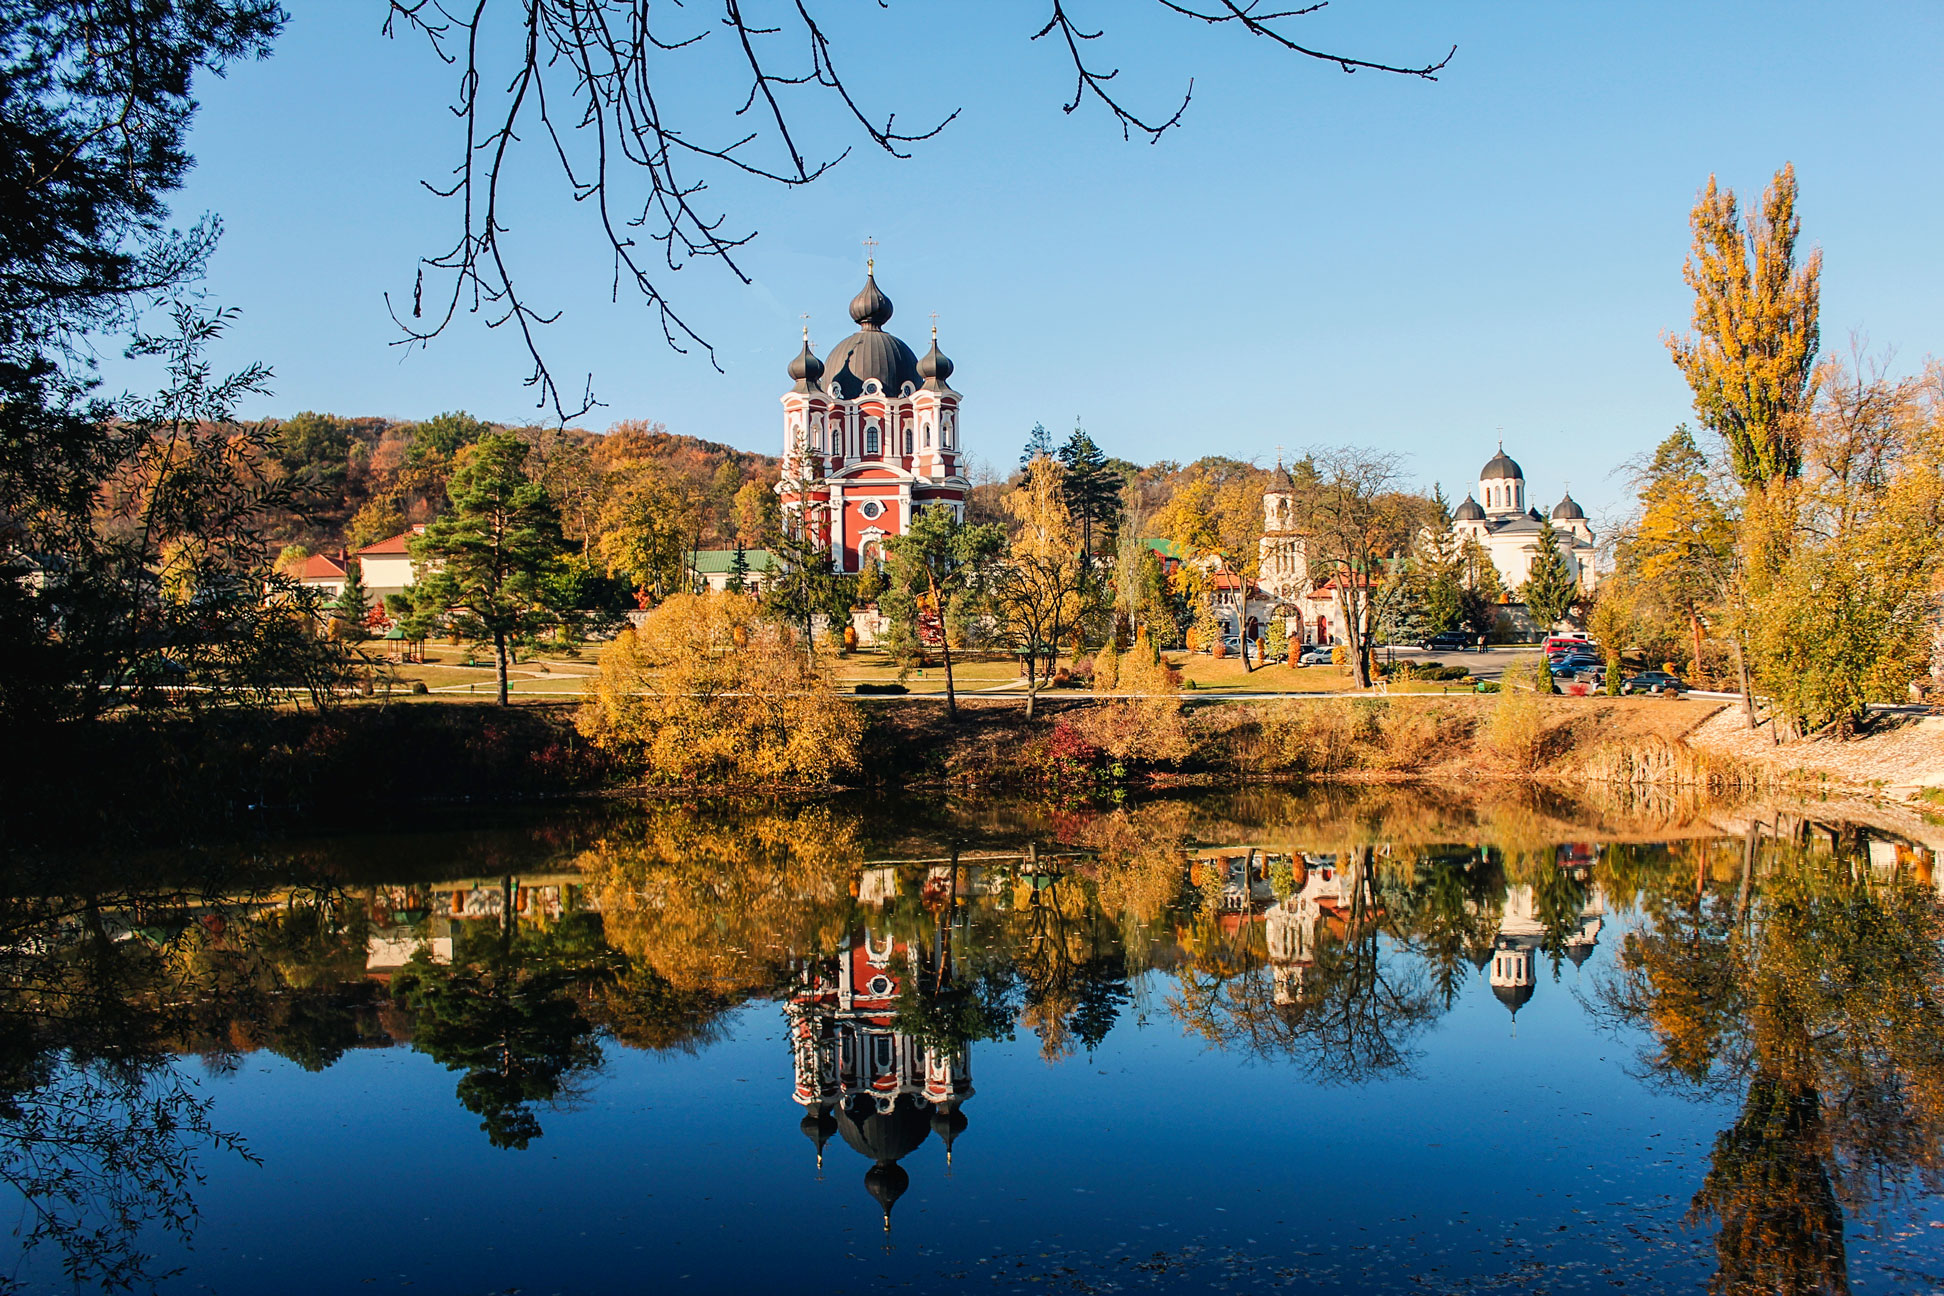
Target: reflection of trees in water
[[1454, 903], [1354, 1011], [102, 1153], [507, 1010], [1067, 955], [1786, 978], [1814, 991], [103, 1133]]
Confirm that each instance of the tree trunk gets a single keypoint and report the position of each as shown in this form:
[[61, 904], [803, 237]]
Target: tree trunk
[[1694, 625], [1741, 670], [499, 655], [1353, 632], [1749, 845], [945, 648]]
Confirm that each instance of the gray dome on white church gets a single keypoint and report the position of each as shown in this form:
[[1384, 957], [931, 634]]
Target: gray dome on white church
[[1506, 524], [1501, 467]]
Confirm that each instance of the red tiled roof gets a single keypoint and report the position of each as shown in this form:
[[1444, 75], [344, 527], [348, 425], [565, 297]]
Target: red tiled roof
[[398, 544], [319, 568]]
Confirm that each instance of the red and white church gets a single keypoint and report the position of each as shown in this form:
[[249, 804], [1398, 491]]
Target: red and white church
[[870, 435]]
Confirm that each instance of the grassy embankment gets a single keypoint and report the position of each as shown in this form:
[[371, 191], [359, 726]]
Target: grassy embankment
[[225, 772]]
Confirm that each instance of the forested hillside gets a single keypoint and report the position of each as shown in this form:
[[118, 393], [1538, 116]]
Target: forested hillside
[[370, 478]]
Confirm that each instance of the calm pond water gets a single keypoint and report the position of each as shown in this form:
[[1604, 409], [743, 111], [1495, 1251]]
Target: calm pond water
[[1253, 1040]]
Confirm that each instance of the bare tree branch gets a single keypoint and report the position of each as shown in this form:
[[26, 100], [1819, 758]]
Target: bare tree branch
[[587, 71]]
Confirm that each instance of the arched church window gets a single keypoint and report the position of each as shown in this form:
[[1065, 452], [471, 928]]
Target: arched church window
[[927, 436], [907, 438], [870, 438]]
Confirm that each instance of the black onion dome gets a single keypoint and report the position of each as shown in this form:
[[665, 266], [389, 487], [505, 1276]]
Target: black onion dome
[[870, 354], [1579, 952], [886, 1181], [883, 1136], [1534, 514], [1568, 510], [871, 308], [948, 1124], [1280, 480], [1501, 467], [1469, 511], [936, 366], [806, 368], [818, 1126]]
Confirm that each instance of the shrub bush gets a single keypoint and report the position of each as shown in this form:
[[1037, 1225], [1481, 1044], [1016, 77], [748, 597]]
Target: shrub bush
[[882, 688]]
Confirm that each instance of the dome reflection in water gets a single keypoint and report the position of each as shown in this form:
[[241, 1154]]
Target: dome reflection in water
[[1781, 971]]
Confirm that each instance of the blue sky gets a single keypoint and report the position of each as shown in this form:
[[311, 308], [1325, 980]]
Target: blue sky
[[1313, 259]]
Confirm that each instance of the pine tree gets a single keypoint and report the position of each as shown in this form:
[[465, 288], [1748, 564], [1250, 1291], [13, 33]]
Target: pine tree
[[353, 605], [1549, 588], [739, 569], [1093, 492], [1039, 445], [492, 549]]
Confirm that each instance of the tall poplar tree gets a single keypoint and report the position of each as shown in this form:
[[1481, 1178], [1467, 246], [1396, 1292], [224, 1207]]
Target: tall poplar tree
[[490, 552], [1751, 360]]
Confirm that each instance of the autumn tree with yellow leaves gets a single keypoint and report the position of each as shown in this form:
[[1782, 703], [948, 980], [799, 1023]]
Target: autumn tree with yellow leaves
[[1751, 365], [709, 689], [1038, 590]]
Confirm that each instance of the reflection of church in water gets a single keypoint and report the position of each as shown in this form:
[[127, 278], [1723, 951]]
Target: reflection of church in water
[[1522, 932], [882, 1090], [1322, 893]]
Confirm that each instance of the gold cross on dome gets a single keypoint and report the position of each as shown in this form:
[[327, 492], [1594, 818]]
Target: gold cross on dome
[[805, 317], [870, 255], [934, 326], [1279, 456]]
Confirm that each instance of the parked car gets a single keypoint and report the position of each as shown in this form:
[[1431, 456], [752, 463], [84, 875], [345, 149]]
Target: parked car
[[1448, 641], [1574, 664], [1653, 682], [1316, 655]]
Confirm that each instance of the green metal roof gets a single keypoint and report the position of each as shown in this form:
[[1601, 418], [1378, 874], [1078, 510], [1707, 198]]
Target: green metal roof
[[720, 562]]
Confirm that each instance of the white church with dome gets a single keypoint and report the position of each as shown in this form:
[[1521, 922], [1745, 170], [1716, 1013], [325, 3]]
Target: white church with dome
[[1500, 519]]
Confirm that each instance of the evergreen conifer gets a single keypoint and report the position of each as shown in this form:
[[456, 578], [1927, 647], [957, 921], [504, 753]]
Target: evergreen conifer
[[1549, 589], [352, 607]]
